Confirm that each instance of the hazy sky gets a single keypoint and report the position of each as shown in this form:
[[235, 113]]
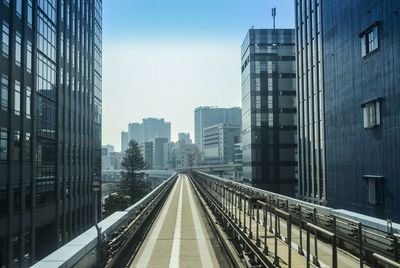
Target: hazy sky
[[164, 58]]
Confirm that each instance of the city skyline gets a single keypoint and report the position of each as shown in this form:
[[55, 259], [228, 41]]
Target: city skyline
[[152, 39], [208, 134]]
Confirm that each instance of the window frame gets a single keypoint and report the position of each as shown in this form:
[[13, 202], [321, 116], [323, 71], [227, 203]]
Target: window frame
[[5, 39], [370, 108], [4, 139], [375, 189], [368, 46], [4, 92]]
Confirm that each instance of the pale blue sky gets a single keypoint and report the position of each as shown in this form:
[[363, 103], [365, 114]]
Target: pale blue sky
[[164, 58]]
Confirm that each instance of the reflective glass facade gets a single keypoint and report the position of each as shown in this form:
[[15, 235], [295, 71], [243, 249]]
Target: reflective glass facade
[[206, 116], [269, 109], [50, 124], [310, 101]]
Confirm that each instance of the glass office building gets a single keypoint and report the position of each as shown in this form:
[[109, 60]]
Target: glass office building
[[50, 124], [310, 92], [206, 116], [269, 110]]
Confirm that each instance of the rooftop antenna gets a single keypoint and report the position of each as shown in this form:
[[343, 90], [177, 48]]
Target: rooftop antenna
[[274, 15]]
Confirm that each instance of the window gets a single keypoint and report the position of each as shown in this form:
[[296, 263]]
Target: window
[[17, 97], [3, 144], [4, 92], [17, 145], [28, 102], [29, 57], [369, 40], [62, 44], [68, 16], [46, 38], [6, 2], [372, 113], [18, 7], [375, 188], [29, 13], [5, 39], [46, 77], [28, 145], [18, 43]]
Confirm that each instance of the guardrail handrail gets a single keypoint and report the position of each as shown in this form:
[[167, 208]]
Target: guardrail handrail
[[365, 234], [84, 244]]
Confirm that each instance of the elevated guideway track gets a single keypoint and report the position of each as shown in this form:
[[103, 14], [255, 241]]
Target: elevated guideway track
[[194, 219]]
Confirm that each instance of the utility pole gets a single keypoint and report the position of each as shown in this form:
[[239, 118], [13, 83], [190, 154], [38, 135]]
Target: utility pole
[[274, 15]]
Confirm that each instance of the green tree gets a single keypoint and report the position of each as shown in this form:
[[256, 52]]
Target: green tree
[[133, 182], [116, 202]]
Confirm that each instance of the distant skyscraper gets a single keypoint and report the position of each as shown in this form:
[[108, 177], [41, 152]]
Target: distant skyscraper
[[158, 152], [108, 148], [108, 158], [146, 150], [269, 109], [156, 128], [207, 116], [238, 153], [136, 132], [185, 155], [124, 141], [185, 137], [50, 124], [149, 129], [349, 99]]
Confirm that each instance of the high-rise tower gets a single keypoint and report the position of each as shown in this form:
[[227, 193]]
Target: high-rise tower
[[50, 124], [269, 110]]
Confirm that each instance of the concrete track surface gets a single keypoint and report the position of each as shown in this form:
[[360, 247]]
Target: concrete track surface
[[180, 235]]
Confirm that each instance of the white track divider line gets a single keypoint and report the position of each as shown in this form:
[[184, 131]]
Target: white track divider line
[[148, 250], [174, 260], [204, 250]]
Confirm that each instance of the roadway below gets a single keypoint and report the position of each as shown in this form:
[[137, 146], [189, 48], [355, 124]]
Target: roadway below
[[181, 235]]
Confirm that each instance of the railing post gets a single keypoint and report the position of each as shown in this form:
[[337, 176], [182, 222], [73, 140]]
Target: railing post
[[233, 203], [308, 247], [257, 223], [334, 252], [270, 213], [300, 248], [225, 202], [276, 258], [315, 259], [360, 245], [250, 206], [265, 229], [240, 209], [228, 203], [244, 213], [289, 238]]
